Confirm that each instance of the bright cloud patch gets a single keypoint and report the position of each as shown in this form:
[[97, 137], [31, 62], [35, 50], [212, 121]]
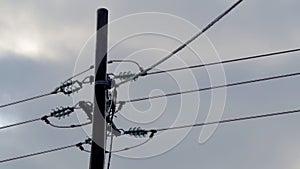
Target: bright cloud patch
[[28, 35], [26, 47]]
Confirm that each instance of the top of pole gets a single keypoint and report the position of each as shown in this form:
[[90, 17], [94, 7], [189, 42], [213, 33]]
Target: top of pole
[[101, 13]]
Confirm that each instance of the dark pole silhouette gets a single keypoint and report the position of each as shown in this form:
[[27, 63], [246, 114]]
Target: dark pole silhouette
[[97, 159]]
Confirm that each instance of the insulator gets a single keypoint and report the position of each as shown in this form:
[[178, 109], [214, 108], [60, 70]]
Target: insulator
[[71, 87], [137, 132], [62, 112], [125, 75]]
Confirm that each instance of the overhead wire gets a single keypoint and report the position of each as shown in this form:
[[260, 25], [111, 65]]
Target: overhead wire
[[38, 153], [259, 56], [44, 152], [230, 120], [20, 123], [211, 88], [70, 126], [58, 113], [49, 123], [129, 148], [154, 130], [55, 91], [152, 133], [123, 149], [28, 99], [213, 22]]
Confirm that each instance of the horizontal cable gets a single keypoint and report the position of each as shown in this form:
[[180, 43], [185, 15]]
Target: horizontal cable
[[79, 145], [60, 112], [140, 132], [28, 99], [45, 119], [231, 120], [65, 88], [265, 55], [38, 153], [20, 123], [211, 88]]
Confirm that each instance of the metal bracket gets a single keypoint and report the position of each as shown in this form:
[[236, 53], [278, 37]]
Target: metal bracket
[[107, 84]]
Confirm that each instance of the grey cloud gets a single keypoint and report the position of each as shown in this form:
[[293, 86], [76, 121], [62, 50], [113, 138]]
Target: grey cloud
[[63, 27]]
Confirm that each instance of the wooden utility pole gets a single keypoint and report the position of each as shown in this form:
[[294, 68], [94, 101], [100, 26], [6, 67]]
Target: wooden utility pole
[[97, 158]]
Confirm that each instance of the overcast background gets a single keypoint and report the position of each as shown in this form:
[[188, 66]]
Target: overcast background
[[39, 44]]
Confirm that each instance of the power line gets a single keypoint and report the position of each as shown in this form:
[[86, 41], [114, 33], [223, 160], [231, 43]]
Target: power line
[[59, 113], [68, 87], [70, 126], [231, 120], [124, 149], [28, 99], [129, 148], [265, 55], [142, 131], [44, 152], [211, 88], [183, 45], [38, 153], [20, 123], [132, 132], [45, 119]]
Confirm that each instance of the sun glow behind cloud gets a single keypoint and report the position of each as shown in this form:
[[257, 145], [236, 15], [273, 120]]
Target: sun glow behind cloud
[[21, 45], [26, 35], [26, 46]]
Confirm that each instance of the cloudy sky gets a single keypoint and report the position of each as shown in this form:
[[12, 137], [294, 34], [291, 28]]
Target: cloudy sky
[[44, 42]]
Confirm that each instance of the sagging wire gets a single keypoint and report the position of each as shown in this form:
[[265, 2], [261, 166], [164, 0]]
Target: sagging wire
[[135, 133], [66, 126], [128, 61], [86, 106]]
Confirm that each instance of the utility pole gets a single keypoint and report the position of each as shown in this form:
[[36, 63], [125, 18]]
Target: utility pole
[[97, 158]]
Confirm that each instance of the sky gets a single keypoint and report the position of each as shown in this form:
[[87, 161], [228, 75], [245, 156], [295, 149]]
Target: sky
[[42, 43]]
